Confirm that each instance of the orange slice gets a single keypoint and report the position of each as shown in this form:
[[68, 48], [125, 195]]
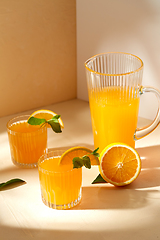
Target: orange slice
[[46, 114], [120, 164], [68, 156]]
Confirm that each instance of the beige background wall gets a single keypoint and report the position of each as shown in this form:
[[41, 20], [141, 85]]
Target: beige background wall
[[37, 53]]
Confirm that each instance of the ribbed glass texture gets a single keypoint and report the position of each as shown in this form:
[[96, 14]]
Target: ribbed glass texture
[[114, 81], [61, 186], [114, 86], [114, 69], [27, 143]]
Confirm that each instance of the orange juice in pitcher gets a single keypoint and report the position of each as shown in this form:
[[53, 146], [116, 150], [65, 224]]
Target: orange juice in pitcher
[[114, 116]]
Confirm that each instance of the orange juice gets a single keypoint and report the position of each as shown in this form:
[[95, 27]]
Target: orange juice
[[27, 142], [114, 114], [60, 184]]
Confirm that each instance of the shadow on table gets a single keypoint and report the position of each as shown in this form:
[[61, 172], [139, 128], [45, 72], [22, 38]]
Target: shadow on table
[[91, 231], [103, 197]]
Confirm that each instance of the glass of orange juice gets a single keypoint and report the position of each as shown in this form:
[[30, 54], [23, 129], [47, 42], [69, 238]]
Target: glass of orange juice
[[61, 185], [114, 82], [27, 142]]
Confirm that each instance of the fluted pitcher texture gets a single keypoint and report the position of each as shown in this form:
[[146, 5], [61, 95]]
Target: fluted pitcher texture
[[114, 83]]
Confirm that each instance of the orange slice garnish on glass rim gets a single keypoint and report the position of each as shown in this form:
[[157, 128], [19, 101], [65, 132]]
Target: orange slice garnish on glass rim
[[120, 164], [71, 153], [46, 114]]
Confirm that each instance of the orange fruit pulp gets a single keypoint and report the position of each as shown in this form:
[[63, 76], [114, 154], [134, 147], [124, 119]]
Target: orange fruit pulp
[[120, 164]]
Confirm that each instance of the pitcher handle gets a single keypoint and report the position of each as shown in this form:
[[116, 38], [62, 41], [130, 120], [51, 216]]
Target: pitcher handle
[[143, 131]]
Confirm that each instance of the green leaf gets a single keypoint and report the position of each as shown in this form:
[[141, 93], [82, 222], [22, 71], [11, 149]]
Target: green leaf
[[53, 122], [36, 121], [86, 161], [95, 153], [56, 117], [14, 180], [99, 179], [55, 126], [77, 162]]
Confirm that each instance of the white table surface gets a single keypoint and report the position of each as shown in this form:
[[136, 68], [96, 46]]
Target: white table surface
[[105, 212]]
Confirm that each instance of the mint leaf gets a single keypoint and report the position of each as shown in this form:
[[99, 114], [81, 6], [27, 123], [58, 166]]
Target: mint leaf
[[56, 117], [99, 179], [36, 121], [86, 161], [2, 185], [95, 153], [77, 162], [53, 122], [55, 126]]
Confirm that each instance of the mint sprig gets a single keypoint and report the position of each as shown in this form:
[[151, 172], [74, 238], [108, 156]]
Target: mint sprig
[[10, 182], [53, 122], [79, 162]]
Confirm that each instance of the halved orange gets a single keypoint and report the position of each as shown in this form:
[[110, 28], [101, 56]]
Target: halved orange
[[120, 164], [46, 114], [71, 153]]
